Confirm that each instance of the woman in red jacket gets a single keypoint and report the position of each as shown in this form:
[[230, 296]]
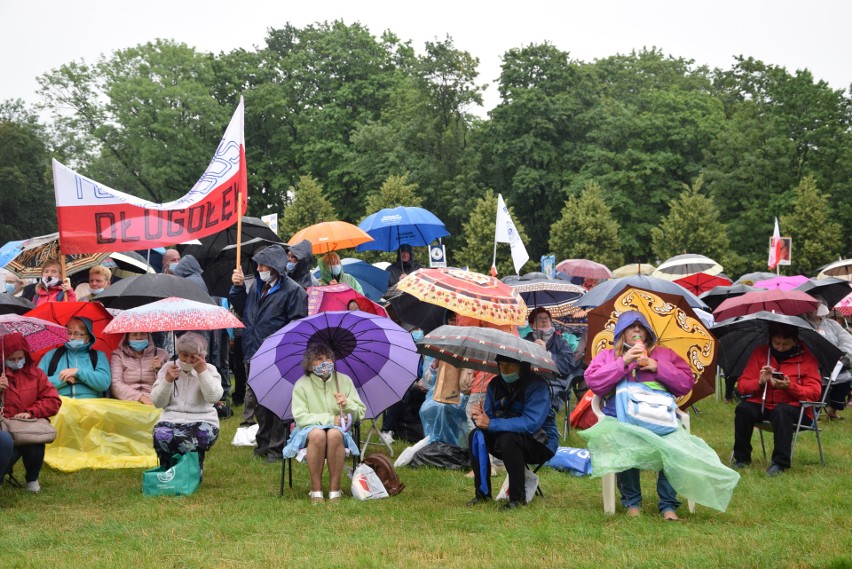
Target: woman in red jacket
[[783, 374], [27, 394]]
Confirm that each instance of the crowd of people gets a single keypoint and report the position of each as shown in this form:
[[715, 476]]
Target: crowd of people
[[500, 421]]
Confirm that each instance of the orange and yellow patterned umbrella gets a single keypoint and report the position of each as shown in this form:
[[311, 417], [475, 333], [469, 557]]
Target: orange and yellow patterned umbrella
[[468, 294], [676, 326]]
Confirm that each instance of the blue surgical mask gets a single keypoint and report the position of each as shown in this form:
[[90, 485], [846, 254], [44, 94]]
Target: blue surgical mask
[[138, 345], [417, 335], [324, 369], [290, 266], [173, 266], [16, 364], [336, 269], [74, 344], [95, 291], [10, 288], [510, 377]]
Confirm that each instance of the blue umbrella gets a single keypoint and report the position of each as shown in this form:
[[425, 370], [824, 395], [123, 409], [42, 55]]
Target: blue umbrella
[[391, 228], [373, 280], [9, 251], [607, 289]]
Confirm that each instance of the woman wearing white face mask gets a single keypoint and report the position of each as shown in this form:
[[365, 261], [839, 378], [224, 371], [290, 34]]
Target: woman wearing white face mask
[[187, 391], [51, 287], [331, 272], [75, 369]]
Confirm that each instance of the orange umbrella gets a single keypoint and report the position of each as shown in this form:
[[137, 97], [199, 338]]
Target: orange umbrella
[[331, 236]]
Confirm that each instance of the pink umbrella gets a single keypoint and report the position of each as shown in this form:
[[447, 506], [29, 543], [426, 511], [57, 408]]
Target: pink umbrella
[[789, 302], [338, 297], [173, 313], [38, 333], [782, 283], [844, 307], [584, 268]]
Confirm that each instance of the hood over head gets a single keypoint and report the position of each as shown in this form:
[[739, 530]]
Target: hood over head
[[274, 256], [627, 319], [188, 265]]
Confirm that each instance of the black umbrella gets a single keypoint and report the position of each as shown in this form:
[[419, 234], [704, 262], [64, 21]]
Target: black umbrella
[[832, 289], [217, 253], [136, 291], [11, 304], [718, 294], [739, 336], [414, 312]]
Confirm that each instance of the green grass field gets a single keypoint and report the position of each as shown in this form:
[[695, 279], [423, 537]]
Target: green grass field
[[100, 518]]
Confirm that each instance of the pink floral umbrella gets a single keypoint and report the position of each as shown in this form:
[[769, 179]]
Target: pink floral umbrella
[[173, 313], [38, 333], [783, 283]]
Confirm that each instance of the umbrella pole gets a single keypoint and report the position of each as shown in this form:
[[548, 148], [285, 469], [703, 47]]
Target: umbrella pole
[[337, 389], [239, 226], [62, 273]]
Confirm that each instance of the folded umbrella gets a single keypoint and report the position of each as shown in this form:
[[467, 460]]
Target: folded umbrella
[[738, 338], [378, 355], [790, 302]]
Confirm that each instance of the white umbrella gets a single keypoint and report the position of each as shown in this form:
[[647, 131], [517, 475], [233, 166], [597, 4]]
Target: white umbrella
[[681, 266], [841, 269]]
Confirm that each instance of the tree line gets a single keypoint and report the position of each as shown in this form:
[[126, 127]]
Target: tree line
[[633, 157]]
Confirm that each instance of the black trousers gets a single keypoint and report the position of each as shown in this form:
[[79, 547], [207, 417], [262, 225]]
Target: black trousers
[[783, 418], [516, 450], [272, 432]]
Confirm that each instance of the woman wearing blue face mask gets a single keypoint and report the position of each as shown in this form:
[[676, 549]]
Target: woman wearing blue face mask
[[134, 366], [75, 369], [517, 424], [331, 272], [318, 398]]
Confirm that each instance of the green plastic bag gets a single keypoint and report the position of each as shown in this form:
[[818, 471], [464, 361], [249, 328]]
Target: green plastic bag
[[691, 466], [181, 479]]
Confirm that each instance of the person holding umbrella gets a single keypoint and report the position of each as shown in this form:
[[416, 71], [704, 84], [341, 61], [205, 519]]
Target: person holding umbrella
[[516, 423], [404, 265], [323, 412], [25, 393], [51, 287]]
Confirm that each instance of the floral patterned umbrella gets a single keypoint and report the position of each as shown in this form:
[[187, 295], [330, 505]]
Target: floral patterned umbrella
[[174, 314], [467, 293], [38, 333]]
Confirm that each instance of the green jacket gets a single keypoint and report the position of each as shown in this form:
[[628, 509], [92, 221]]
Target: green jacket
[[314, 404], [326, 277]]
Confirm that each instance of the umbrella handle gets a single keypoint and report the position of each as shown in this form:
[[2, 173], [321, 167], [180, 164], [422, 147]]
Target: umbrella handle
[[337, 389]]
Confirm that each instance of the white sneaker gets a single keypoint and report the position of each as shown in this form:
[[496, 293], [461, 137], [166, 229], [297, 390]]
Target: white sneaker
[[387, 436], [33, 487]]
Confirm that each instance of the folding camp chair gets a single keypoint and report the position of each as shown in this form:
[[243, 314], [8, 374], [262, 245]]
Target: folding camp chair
[[815, 406], [374, 431], [287, 464], [608, 480]]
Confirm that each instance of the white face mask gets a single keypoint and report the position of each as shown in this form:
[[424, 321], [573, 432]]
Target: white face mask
[[265, 276], [49, 281], [95, 291], [185, 367], [822, 311]]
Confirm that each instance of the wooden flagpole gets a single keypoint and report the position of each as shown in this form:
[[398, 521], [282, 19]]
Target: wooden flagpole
[[239, 227]]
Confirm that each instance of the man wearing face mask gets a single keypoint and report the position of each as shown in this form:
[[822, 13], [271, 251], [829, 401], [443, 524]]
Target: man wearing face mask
[[300, 259], [331, 272], [75, 369], [545, 335], [171, 258], [516, 424], [798, 380], [14, 285], [99, 281], [274, 301]]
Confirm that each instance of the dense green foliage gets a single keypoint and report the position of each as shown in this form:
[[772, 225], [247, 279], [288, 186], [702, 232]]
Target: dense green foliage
[[353, 110]]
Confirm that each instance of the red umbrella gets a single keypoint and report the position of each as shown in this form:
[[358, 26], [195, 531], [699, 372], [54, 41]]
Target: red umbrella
[[338, 297], [62, 312], [789, 302], [702, 282], [174, 313], [584, 268], [39, 334]]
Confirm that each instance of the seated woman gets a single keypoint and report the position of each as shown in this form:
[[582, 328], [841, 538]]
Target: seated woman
[[518, 426], [26, 394], [187, 391], [331, 272], [75, 369], [316, 410], [545, 335], [51, 287], [134, 366], [643, 362]]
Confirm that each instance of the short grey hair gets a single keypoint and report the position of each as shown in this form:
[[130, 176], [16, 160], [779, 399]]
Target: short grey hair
[[314, 350], [192, 343]]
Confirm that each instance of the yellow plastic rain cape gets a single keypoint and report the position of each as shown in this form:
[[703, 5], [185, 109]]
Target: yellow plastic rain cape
[[102, 433]]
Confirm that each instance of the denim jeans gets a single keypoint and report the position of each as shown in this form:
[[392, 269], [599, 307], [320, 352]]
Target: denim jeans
[[631, 491]]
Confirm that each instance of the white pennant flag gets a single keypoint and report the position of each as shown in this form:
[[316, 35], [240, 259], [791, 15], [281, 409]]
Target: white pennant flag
[[506, 232]]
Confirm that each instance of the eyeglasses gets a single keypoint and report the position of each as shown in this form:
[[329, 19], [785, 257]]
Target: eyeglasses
[[78, 335]]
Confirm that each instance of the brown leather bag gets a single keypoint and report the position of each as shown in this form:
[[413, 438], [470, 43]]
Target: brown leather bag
[[383, 467], [26, 431]]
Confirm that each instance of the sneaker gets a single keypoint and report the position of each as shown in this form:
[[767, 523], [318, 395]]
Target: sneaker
[[738, 464], [774, 470], [33, 487]]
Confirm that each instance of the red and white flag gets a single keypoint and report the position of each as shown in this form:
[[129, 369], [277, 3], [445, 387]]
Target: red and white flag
[[94, 218], [775, 247]]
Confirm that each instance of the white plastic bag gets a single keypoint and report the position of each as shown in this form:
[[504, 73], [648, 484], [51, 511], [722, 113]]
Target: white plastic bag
[[366, 484], [407, 455], [246, 436], [530, 485]]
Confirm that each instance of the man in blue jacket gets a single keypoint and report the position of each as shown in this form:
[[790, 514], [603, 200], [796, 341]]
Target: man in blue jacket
[[516, 424], [271, 304]]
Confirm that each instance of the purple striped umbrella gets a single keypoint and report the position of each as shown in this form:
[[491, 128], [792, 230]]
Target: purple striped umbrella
[[377, 354]]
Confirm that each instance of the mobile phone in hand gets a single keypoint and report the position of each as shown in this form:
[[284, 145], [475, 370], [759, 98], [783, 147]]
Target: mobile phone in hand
[[777, 376]]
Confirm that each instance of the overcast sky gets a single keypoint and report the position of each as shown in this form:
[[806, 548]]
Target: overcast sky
[[37, 36]]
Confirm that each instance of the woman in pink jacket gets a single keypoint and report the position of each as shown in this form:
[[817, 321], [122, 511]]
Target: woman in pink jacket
[[134, 365], [647, 363]]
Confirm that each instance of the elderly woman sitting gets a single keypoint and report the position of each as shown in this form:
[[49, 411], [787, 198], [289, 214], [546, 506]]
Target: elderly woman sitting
[[187, 391], [317, 411]]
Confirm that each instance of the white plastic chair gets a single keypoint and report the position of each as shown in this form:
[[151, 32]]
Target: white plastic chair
[[608, 480]]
